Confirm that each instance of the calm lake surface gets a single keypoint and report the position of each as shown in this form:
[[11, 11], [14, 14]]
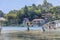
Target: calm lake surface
[[21, 28]]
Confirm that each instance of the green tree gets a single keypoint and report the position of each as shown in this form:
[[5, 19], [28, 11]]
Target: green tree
[[20, 16], [11, 17], [46, 5], [32, 12], [1, 14]]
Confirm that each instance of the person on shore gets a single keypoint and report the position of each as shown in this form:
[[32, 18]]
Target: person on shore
[[43, 29], [28, 25]]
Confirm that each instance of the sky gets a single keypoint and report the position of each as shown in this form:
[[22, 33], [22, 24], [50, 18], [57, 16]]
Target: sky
[[7, 5]]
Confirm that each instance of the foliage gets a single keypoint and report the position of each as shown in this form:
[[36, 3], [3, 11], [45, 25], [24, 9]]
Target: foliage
[[32, 12], [1, 14]]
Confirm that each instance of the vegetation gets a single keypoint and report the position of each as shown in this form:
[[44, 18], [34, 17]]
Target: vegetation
[[15, 17]]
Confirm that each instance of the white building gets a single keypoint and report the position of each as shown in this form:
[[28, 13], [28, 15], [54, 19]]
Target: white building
[[38, 22]]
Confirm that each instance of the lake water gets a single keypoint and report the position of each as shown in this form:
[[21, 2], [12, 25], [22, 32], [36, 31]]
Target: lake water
[[21, 28], [25, 28]]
